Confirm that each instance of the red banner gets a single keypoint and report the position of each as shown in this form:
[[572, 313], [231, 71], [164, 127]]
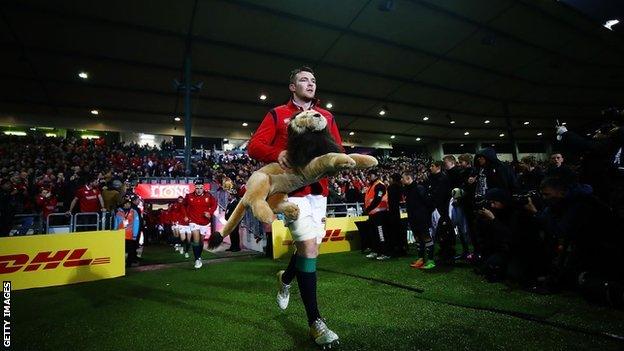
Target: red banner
[[165, 191]]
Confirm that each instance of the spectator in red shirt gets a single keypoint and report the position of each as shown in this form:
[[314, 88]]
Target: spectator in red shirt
[[47, 203], [89, 200]]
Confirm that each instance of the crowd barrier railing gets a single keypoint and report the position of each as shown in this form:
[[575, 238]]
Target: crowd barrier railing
[[78, 224], [59, 228]]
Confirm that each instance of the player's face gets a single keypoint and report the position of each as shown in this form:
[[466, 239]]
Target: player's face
[[199, 189], [304, 86]]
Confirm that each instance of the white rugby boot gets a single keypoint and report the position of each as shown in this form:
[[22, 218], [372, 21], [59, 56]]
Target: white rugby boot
[[322, 335], [283, 294]]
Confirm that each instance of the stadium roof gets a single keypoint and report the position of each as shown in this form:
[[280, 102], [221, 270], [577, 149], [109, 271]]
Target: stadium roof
[[462, 61]]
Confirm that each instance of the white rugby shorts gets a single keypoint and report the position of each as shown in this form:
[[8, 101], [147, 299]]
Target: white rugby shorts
[[203, 229], [311, 221], [184, 228]]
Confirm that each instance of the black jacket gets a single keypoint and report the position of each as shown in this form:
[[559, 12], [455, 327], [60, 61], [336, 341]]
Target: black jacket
[[230, 208], [418, 212], [439, 192], [530, 180], [394, 199], [597, 168], [456, 177], [499, 175]]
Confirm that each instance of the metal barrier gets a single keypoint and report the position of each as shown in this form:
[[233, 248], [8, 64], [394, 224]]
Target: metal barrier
[[92, 224], [59, 228], [28, 222], [345, 209]]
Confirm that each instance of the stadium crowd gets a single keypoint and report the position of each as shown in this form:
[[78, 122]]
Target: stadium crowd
[[545, 226]]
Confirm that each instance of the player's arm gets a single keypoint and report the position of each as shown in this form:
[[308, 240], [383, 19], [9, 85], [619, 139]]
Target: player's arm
[[260, 145], [333, 130], [212, 206], [183, 213]]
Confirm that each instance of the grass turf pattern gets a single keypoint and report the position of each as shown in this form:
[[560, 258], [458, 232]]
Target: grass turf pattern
[[231, 306]]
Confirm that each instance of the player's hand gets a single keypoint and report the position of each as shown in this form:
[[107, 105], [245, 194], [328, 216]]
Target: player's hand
[[215, 240], [207, 214], [282, 159], [186, 219]]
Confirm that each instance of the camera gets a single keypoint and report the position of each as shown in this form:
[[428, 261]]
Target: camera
[[523, 199], [480, 202]]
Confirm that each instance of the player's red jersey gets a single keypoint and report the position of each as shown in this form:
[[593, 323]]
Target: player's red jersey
[[271, 138], [88, 199], [177, 211], [164, 217], [198, 205]]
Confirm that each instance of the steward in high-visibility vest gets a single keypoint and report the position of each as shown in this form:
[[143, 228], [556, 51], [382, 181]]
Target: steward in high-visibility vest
[[376, 207], [127, 218], [376, 199]]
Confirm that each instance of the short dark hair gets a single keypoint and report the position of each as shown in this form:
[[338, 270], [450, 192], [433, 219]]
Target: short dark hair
[[295, 71], [529, 160], [438, 164], [557, 183], [396, 177]]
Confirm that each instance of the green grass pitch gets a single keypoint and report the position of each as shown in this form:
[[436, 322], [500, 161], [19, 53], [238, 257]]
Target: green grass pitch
[[231, 306]]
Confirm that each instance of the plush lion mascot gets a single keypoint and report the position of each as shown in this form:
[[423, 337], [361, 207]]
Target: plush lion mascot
[[312, 153]]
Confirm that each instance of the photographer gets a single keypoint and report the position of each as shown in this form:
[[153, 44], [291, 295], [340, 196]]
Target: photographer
[[602, 164], [587, 242], [495, 219], [530, 175], [489, 173]]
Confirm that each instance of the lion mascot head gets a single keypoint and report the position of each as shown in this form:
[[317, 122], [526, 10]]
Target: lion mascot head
[[308, 138]]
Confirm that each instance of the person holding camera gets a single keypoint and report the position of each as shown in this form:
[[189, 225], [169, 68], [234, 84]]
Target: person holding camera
[[530, 174], [602, 164], [585, 240], [495, 220]]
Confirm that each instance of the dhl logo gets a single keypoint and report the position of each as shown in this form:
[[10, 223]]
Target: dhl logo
[[330, 235], [69, 258]]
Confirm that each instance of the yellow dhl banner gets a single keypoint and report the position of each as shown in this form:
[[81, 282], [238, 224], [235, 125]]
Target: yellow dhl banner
[[59, 259], [341, 234]]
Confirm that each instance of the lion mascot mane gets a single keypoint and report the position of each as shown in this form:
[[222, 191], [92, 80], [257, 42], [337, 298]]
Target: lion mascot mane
[[313, 154]]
